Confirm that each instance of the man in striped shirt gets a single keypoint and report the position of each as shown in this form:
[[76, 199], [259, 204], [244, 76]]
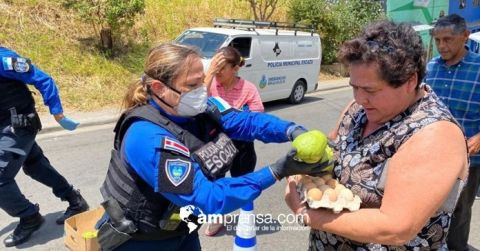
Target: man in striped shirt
[[455, 77]]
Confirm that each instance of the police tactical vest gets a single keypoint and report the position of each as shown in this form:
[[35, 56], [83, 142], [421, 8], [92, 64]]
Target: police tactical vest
[[16, 94], [139, 201]]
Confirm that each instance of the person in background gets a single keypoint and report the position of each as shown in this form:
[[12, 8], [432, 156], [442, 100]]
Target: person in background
[[19, 125], [223, 81], [396, 146], [172, 147], [455, 78]]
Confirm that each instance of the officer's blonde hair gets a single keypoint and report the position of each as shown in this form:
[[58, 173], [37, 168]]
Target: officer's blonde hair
[[165, 63]]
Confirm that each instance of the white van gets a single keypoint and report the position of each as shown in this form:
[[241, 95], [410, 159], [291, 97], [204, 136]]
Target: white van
[[474, 42], [282, 63]]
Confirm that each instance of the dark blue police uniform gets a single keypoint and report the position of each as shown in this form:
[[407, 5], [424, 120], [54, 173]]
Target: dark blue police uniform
[[156, 167], [17, 141]]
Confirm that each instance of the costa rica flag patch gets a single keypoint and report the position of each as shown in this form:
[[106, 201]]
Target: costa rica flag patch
[[175, 146]]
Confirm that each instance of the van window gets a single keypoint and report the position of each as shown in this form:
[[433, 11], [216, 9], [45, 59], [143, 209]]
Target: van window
[[243, 45], [208, 43]]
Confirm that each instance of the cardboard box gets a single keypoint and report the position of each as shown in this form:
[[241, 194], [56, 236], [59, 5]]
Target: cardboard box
[[77, 225]]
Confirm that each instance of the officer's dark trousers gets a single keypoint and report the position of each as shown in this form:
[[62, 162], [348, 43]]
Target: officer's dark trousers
[[35, 165], [459, 230], [189, 242]]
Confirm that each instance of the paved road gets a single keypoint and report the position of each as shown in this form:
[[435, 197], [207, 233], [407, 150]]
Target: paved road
[[83, 158]]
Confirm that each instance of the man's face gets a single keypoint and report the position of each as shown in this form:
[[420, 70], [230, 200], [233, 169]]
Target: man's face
[[449, 44]]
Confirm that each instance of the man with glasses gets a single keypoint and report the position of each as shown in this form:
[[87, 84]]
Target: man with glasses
[[455, 77]]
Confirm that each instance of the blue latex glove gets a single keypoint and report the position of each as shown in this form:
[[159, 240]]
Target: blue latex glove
[[68, 124]]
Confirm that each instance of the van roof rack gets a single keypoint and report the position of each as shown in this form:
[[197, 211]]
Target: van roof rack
[[253, 24]]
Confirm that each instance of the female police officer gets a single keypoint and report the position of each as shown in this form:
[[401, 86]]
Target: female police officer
[[19, 124], [170, 145]]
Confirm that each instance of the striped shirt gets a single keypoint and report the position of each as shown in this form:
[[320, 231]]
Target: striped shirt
[[243, 93], [458, 86]]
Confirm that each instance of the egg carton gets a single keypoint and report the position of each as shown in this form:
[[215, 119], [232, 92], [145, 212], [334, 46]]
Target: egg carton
[[326, 192]]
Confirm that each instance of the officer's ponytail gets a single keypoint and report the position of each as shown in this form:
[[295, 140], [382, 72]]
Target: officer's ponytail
[[135, 96]]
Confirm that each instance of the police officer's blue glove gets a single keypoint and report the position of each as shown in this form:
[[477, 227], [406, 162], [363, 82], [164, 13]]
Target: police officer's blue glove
[[68, 123], [287, 166]]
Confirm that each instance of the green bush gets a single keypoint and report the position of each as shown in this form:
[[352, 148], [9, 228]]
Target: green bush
[[336, 21], [117, 15], [121, 14]]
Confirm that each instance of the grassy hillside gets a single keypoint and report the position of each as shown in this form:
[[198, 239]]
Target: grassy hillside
[[62, 45]]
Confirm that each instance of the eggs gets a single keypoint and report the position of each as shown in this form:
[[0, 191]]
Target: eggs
[[330, 194], [327, 177], [324, 187], [309, 186], [332, 183], [304, 179], [346, 194], [319, 182], [339, 187], [327, 192], [314, 194]]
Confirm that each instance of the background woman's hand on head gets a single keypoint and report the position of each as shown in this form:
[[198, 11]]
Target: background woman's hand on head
[[216, 65]]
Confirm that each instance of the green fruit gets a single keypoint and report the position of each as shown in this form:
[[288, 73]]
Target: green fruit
[[310, 146], [328, 156]]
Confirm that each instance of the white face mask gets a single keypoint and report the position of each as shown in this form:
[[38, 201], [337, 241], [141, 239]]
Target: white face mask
[[193, 102]]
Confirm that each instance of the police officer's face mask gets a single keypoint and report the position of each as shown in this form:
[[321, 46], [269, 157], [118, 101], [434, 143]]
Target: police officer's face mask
[[191, 103]]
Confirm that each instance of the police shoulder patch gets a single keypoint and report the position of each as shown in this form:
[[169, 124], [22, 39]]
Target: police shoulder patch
[[21, 65], [177, 170], [18, 64], [175, 173], [7, 63], [175, 146]]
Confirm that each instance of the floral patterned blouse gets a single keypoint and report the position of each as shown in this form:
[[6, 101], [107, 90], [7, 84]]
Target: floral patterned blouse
[[360, 162]]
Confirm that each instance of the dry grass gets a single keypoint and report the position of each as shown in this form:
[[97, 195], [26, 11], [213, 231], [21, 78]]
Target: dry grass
[[67, 49], [325, 76], [55, 41]]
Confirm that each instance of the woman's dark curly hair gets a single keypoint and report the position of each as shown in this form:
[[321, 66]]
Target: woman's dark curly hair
[[397, 49]]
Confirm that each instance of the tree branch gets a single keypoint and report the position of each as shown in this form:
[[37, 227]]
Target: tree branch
[[253, 6]]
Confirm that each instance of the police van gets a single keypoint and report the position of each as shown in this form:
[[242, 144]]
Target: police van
[[281, 59], [474, 42]]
